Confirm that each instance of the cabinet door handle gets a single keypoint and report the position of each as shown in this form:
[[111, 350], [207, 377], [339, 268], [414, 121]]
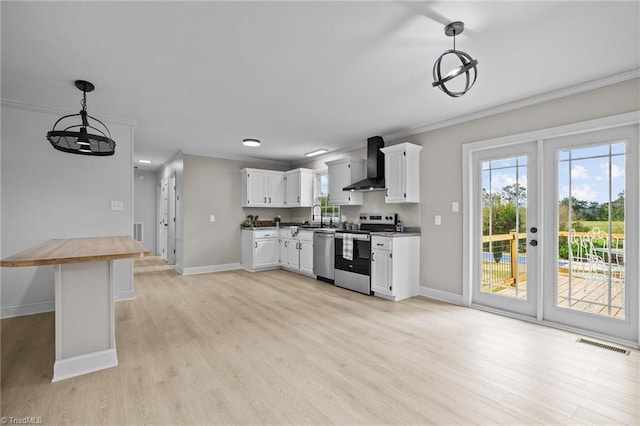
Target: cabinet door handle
[[298, 198], [265, 200], [269, 200], [256, 244], [372, 259], [386, 192], [379, 244], [267, 235]]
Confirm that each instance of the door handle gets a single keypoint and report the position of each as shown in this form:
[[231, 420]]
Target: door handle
[[533, 229], [533, 243]]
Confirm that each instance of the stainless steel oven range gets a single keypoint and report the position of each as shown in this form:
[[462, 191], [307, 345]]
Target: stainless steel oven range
[[353, 251]]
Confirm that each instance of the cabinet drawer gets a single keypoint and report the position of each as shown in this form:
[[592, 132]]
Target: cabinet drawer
[[381, 243], [265, 234], [305, 236]]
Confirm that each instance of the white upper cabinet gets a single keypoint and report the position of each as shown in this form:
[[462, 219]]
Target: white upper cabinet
[[262, 188], [276, 193], [299, 188], [402, 173], [343, 173]]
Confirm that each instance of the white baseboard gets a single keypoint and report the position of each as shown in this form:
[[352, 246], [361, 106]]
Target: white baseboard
[[208, 269], [27, 309], [179, 269], [443, 296], [125, 295], [83, 364]]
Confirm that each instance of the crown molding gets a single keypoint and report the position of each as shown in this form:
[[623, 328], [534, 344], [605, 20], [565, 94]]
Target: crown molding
[[12, 103], [533, 100]]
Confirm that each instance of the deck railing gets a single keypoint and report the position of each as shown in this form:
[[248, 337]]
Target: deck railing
[[505, 258], [504, 255]]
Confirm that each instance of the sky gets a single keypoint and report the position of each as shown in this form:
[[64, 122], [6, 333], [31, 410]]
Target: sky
[[582, 172]]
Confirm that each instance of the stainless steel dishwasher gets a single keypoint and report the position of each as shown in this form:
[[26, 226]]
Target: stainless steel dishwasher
[[323, 254]]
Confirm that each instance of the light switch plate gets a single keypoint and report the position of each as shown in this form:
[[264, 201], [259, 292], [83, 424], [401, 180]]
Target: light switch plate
[[212, 218], [455, 207], [117, 206], [438, 220]]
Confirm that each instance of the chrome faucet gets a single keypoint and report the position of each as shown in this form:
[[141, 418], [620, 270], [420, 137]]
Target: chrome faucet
[[313, 209]]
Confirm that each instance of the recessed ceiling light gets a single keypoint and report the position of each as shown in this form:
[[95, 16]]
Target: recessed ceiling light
[[144, 161], [316, 152], [251, 142]]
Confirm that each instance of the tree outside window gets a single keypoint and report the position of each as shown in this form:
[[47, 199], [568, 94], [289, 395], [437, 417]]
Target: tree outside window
[[328, 211]]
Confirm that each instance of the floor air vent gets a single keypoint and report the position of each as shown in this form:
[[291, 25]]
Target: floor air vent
[[604, 346]]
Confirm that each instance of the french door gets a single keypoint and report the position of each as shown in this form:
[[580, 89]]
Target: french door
[[505, 240], [554, 231], [591, 212]]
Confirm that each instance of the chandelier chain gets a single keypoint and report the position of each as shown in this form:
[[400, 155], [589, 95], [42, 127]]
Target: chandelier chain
[[83, 103]]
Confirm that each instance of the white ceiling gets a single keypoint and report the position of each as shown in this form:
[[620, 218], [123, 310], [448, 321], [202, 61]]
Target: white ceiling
[[201, 76]]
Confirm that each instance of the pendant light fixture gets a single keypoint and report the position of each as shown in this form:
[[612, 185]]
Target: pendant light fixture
[[75, 138], [468, 64]]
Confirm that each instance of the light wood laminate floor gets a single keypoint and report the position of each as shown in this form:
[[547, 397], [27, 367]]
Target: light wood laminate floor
[[278, 348]]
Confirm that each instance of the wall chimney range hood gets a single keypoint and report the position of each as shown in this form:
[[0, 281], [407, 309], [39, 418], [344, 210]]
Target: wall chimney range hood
[[375, 168]]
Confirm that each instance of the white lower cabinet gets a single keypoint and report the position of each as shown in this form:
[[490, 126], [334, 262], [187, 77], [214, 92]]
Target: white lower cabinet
[[296, 253], [260, 249], [275, 248], [395, 266], [289, 253], [306, 256]]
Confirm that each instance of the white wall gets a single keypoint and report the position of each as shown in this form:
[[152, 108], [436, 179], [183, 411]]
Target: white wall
[[212, 187], [145, 205], [49, 194]]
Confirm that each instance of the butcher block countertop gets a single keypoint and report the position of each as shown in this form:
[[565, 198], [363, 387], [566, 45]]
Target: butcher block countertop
[[77, 250]]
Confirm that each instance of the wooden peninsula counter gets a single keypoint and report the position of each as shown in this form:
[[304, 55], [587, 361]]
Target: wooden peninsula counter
[[84, 298]]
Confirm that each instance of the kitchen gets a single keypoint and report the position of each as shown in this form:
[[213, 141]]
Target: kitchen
[[356, 256]]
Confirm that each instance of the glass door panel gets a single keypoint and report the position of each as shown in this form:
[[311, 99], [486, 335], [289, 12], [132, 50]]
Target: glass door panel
[[504, 224], [591, 190], [591, 208], [504, 261]]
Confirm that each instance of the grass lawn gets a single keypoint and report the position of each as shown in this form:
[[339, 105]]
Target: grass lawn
[[603, 225]]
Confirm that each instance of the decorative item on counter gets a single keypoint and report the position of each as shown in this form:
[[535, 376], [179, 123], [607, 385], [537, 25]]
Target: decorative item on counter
[[264, 224], [248, 222], [277, 221], [400, 226]]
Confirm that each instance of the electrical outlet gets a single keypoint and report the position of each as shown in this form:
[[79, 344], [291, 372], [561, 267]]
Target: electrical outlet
[[117, 206]]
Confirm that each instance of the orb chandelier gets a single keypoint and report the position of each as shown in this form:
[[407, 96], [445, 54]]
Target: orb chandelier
[[468, 64], [75, 138]]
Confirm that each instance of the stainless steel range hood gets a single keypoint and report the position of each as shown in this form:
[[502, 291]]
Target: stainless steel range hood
[[375, 168]]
